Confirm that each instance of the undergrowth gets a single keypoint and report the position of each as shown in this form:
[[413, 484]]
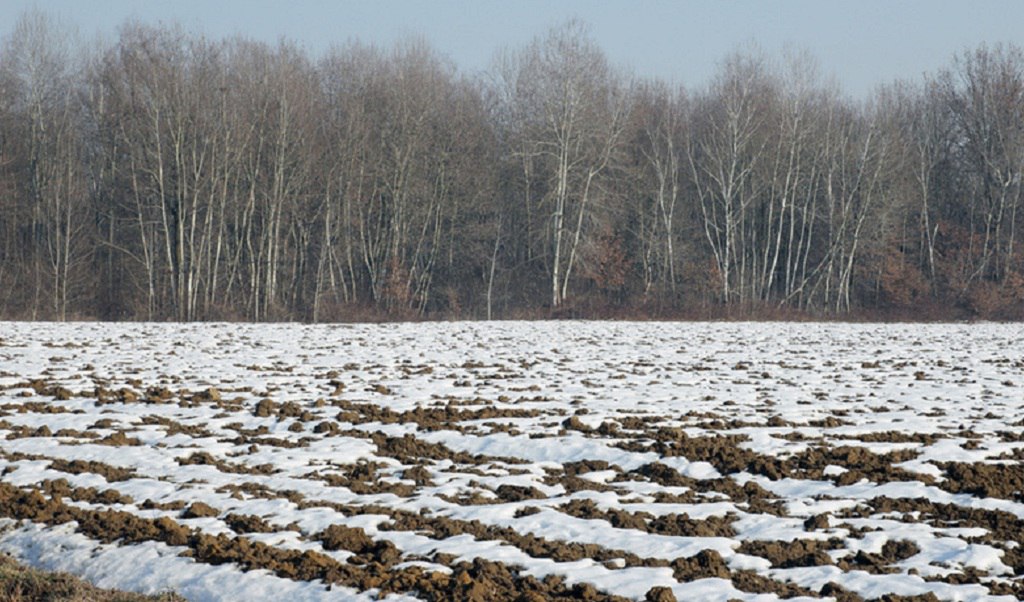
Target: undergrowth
[[19, 583]]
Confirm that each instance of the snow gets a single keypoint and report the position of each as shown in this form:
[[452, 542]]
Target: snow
[[946, 380], [155, 568]]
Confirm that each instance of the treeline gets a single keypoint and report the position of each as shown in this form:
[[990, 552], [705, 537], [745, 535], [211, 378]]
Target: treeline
[[165, 175]]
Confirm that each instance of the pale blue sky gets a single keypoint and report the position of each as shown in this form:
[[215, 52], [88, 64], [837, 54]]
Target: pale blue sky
[[862, 43]]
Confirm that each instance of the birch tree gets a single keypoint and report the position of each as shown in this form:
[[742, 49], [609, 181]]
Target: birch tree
[[660, 147], [727, 146], [578, 106], [44, 67], [985, 92]]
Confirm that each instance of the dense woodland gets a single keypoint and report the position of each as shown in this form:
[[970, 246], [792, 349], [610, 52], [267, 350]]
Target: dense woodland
[[164, 175]]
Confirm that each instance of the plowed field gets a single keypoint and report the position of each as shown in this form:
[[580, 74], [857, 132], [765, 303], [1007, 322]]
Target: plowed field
[[518, 461]]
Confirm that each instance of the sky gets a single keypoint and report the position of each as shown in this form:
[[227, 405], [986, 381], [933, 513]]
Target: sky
[[862, 43]]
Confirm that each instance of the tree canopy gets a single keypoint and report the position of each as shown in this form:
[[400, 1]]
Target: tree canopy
[[165, 175]]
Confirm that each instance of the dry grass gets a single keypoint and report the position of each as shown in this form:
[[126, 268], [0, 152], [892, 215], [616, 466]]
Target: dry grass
[[19, 583]]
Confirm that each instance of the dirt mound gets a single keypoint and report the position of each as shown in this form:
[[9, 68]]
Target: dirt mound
[[518, 493], [834, 590], [363, 478], [1004, 481], [725, 454], [859, 463], [354, 539], [419, 475], [664, 475], [247, 523], [410, 450], [790, 554], [929, 597], [706, 564], [538, 547], [892, 552], [684, 526], [264, 408], [173, 427], [749, 581], [448, 417], [668, 524], [118, 439], [817, 522], [340, 537], [660, 594], [60, 488], [721, 451], [756, 498], [108, 472], [207, 459], [199, 510]]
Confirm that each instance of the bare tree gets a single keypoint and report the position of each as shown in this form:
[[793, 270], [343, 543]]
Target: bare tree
[[40, 61], [725, 151], [573, 110], [985, 92], [660, 140]]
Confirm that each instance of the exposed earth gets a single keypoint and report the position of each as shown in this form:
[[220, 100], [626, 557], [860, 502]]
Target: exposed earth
[[518, 461]]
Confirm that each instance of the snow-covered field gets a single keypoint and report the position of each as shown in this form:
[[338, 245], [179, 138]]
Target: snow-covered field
[[572, 460]]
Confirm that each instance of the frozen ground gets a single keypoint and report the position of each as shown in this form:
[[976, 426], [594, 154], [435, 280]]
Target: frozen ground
[[541, 461]]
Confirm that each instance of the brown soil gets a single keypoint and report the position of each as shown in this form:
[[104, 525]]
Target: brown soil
[[1004, 481], [750, 494], [817, 522], [1002, 527], [249, 439], [749, 581], [834, 590], [24, 432], [118, 439], [480, 580], [35, 407], [538, 547], [709, 564], [199, 510], [895, 437], [354, 539], [660, 594], [174, 506], [264, 408], [995, 588], [110, 473], [929, 597], [46, 388], [159, 395], [705, 565], [107, 396], [790, 554], [419, 475], [518, 493], [243, 490], [449, 417], [60, 488], [247, 523], [373, 559], [174, 427], [410, 450], [204, 458], [669, 524], [724, 453], [362, 479]]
